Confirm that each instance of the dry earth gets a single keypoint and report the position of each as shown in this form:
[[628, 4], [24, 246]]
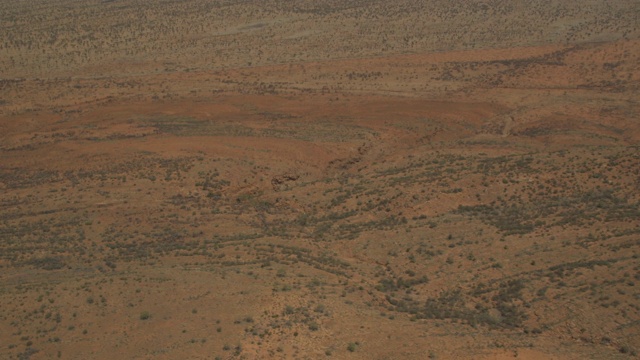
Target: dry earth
[[319, 179]]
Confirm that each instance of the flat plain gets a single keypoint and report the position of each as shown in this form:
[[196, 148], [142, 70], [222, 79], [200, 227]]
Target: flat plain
[[225, 179]]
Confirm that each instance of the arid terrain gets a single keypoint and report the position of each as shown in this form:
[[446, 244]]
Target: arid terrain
[[339, 179]]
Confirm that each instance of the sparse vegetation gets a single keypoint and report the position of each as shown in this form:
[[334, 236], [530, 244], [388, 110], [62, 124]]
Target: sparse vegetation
[[242, 180]]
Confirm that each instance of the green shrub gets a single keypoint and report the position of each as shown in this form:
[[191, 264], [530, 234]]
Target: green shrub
[[145, 315]]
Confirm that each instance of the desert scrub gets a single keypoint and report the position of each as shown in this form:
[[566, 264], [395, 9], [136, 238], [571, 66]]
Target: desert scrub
[[145, 315]]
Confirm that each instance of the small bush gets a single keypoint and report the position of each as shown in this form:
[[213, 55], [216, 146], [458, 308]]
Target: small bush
[[145, 315]]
